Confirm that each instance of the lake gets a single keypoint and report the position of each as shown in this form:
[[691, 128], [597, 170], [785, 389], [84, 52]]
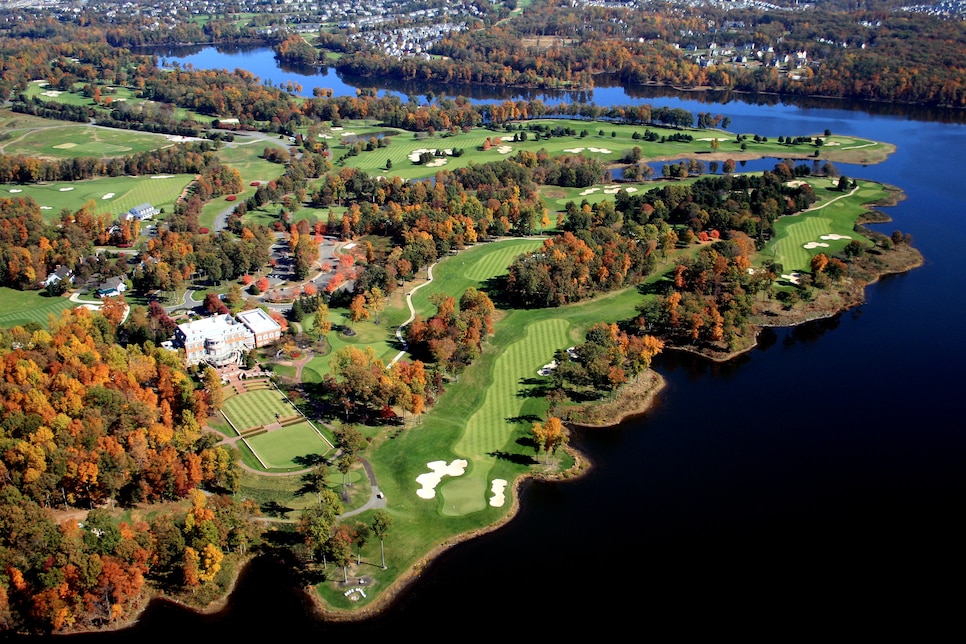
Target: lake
[[813, 484]]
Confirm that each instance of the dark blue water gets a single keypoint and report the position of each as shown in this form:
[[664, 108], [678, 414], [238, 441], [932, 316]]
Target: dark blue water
[[814, 486]]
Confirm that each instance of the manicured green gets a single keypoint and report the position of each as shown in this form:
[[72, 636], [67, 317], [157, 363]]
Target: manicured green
[[72, 140], [19, 308], [825, 228], [116, 195], [257, 408], [280, 448]]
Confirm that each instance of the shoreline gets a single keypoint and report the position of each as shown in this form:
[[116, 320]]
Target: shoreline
[[631, 401]]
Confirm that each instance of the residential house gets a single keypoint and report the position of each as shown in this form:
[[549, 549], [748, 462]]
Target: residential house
[[142, 212], [112, 287], [60, 274]]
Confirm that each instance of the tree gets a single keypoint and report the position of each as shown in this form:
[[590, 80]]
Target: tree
[[340, 547], [381, 523], [357, 308], [375, 302], [212, 385], [362, 532], [321, 324]]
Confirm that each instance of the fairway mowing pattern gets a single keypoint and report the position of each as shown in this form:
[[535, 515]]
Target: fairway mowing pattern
[[38, 314], [488, 430], [497, 261], [789, 249], [256, 408]]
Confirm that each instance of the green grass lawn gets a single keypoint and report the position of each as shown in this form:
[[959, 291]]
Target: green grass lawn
[[256, 408], [607, 142], [826, 228], [18, 308], [281, 448], [67, 141], [116, 195]]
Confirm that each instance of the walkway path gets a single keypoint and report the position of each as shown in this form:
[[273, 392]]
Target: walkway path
[[412, 316]]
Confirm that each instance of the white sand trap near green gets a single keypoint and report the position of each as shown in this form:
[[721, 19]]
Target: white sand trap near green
[[68, 189], [65, 146], [504, 149], [109, 195], [794, 278], [435, 163], [15, 190], [490, 427], [46, 207], [834, 237], [600, 150], [497, 488], [438, 469], [574, 150], [162, 176], [589, 191], [811, 245]]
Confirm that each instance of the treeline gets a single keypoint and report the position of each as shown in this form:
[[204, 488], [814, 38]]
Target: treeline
[[187, 158]]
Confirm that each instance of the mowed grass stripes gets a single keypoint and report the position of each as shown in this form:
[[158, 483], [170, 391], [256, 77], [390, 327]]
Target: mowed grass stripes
[[257, 408], [490, 427], [23, 307], [497, 261]]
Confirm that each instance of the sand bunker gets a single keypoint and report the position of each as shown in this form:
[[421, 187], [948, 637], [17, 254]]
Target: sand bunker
[[163, 176], [713, 138], [430, 480], [436, 163], [497, 488], [631, 189], [600, 150], [109, 195], [46, 207], [337, 128], [588, 191], [52, 93], [348, 134], [574, 150], [14, 190], [65, 146], [832, 143], [68, 189], [547, 368], [793, 277], [834, 236], [504, 149], [414, 155], [811, 245]]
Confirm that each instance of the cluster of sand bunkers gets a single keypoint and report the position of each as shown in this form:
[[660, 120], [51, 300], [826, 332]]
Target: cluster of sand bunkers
[[831, 237], [439, 469], [438, 161], [612, 189], [579, 150]]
